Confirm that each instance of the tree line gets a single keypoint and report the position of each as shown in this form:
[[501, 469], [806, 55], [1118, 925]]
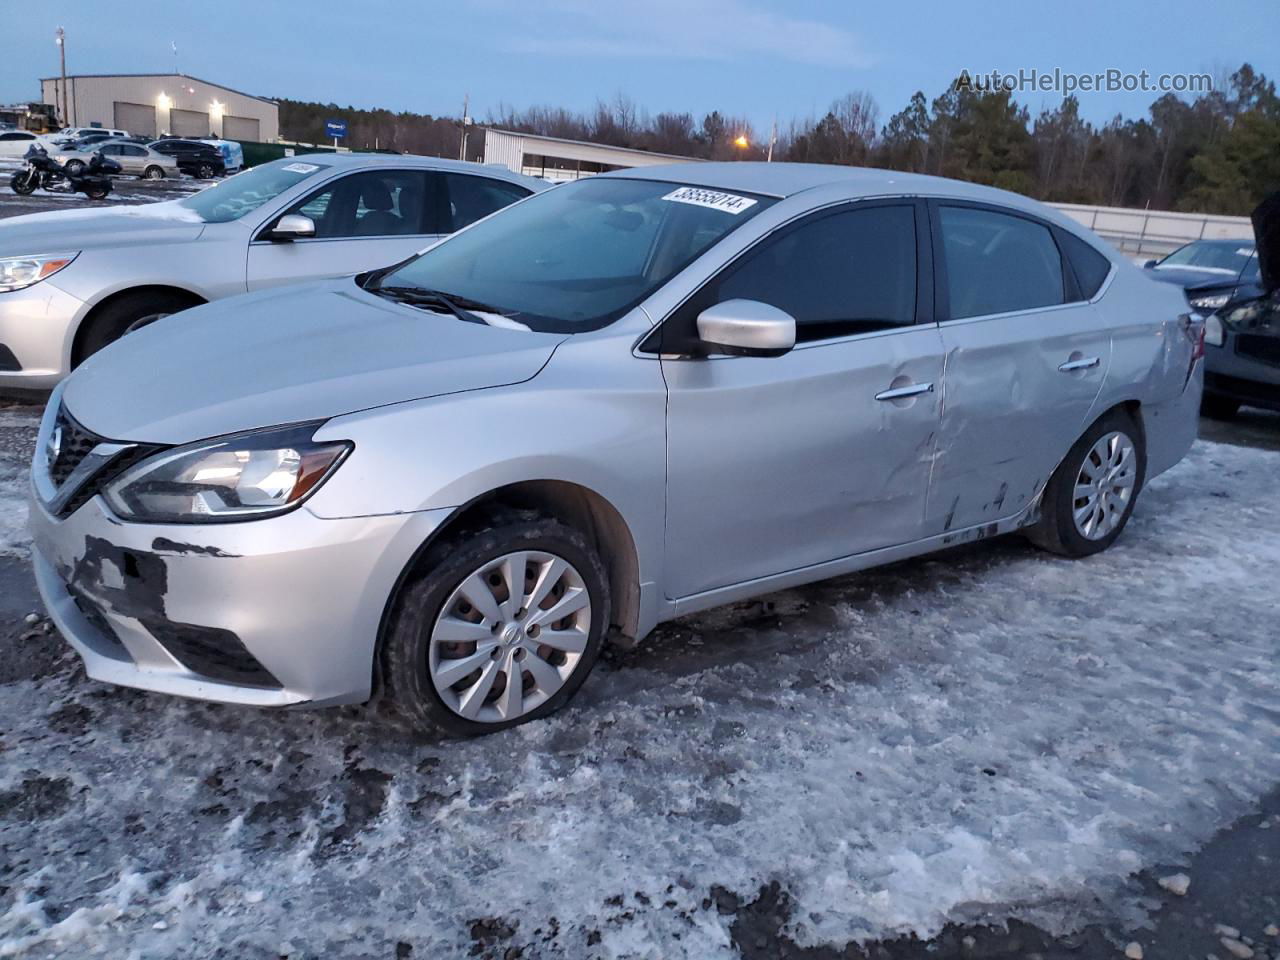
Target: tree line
[[1216, 153]]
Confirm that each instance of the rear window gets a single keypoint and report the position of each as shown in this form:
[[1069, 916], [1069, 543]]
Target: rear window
[[1091, 267], [998, 263]]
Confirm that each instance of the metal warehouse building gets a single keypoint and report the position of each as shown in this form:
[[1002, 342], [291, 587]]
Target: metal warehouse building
[[154, 104], [556, 159]]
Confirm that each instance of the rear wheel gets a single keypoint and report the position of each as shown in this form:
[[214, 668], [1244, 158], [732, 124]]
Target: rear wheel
[[154, 173], [204, 171], [125, 315], [1219, 408], [502, 627], [98, 192], [1090, 497]]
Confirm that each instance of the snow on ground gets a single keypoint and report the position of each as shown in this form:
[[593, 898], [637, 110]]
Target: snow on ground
[[15, 429], [991, 732]]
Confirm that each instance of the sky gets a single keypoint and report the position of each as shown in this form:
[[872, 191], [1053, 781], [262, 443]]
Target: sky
[[748, 58]]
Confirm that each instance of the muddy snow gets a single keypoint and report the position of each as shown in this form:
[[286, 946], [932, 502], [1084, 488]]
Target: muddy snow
[[988, 732]]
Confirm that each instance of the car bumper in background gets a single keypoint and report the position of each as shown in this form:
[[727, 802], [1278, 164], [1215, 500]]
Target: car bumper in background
[[1250, 377], [36, 329], [271, 612]]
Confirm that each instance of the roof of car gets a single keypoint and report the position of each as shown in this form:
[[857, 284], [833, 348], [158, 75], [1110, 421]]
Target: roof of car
[[352, 160], [787, 179]]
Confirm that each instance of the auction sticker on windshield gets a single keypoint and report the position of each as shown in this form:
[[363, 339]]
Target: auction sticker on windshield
[[726, 202], [300, 167]]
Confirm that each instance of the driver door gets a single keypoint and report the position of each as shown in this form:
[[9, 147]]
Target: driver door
[[363, 221], [779, 463]]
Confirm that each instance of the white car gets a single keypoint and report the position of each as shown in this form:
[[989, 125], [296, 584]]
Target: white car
[[15, 143]]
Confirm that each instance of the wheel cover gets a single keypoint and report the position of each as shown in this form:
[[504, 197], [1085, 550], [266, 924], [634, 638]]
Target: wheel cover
[[510, 636], [1104, 485]]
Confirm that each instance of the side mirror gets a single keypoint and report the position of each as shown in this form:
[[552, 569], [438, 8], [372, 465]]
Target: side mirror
[[292, 226], [1149, 264], [746, 328]]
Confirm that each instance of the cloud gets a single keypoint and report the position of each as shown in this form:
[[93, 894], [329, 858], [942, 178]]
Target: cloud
[[725, 30]]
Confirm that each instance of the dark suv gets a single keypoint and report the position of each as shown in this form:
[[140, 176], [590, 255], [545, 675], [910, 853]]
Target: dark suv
[[200, 160]]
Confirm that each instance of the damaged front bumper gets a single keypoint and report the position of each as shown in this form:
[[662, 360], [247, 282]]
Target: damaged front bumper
[[270, 612]]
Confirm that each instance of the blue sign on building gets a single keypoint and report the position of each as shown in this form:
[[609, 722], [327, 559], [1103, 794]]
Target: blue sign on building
[[335, 128]]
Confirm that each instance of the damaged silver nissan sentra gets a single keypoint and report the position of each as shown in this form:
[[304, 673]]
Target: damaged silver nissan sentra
[[613, 403]]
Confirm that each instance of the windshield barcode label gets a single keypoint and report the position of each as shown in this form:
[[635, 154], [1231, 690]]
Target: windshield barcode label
[[724, 202]]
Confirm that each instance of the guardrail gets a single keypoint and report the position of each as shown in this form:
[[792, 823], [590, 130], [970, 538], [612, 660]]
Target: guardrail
[[1153, 233]]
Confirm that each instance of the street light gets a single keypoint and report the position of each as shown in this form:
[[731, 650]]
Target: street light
[[741, 141], [60, 38]]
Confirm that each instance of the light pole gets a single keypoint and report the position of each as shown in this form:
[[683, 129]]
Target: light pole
[[60, 38], [466, 122]]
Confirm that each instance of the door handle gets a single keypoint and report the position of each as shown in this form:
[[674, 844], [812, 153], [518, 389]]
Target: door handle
[[1084, 363], [911, 390]]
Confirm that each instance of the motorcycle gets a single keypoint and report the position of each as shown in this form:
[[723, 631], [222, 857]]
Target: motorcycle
[[43, 172]]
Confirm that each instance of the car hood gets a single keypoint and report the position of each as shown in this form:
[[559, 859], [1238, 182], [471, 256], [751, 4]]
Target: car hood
[[1191, 278], [59, 231], [283, 356], [1266, 231]]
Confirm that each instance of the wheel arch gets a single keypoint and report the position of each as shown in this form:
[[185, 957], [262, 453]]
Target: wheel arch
[[572, 503], [87, 321]]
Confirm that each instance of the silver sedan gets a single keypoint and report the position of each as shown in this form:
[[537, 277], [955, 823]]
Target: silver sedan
[[135, 159], [614, 403]]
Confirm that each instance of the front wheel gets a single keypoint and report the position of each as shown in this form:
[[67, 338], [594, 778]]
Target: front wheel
[[1090, 497], [153, 173], [501, 627], [24, 182], [74, 167]]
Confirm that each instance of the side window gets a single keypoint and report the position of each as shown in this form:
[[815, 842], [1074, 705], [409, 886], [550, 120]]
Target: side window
[[837, 274], [130, 151], [1091, 267], [997, 263], [379, 203], [471, 198], [111, 150]]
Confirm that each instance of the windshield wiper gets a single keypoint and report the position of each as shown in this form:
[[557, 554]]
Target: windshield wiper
[[420, 296]]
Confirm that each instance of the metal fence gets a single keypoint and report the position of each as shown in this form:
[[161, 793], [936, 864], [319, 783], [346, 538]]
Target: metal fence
[[1153, 233]]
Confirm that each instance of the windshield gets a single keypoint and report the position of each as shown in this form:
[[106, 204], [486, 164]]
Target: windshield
[[1224, 258], [579, 256], [234, 197]]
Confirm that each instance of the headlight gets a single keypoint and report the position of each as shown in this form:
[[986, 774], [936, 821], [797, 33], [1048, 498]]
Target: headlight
[[240, 477], [19, 272], [1210, 302], [1215, 334]]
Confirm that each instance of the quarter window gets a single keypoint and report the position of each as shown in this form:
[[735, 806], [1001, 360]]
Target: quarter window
[[998, 263], [837, 274]]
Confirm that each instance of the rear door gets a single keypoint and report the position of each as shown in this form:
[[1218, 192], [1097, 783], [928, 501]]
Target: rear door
[[1026, 357], [778, 463], [363, 220]]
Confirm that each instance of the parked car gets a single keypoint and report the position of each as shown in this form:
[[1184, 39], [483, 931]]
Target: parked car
[[281, 222], [69, 134], [625, 399], [1212, 272], [1242, 338], [232, 153], [200, 160], [134, 159], [14, 144]]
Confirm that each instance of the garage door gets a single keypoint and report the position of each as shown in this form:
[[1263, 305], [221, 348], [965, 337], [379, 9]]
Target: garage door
[[240, 128], [188, 123], [138, 118]]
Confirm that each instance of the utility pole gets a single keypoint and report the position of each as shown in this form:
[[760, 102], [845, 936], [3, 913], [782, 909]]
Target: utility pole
[[466, 121], [773, 138], [61, 38]]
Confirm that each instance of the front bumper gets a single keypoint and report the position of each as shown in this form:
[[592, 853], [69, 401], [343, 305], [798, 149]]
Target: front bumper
[[1231, 374], [37, 326], [271, 612]]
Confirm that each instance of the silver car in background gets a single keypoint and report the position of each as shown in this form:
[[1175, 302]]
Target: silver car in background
[[623, 400], [135, 159], [72, 281]]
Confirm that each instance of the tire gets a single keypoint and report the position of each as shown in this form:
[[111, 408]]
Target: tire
[[1057, 530], [153, 173], [204, 171], [23, 184], [74, 167], [124, 315], [1216, 407], [97, 193], [413, 655]]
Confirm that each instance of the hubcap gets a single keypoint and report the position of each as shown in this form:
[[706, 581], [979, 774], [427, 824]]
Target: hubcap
[[510, 636], [1105, 485]]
